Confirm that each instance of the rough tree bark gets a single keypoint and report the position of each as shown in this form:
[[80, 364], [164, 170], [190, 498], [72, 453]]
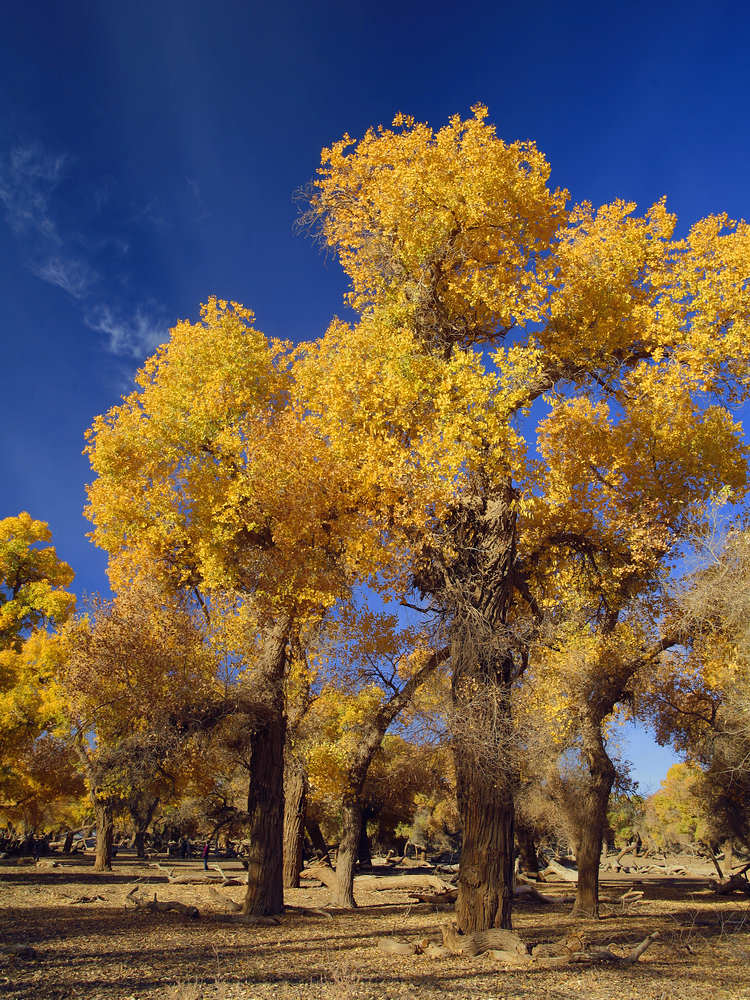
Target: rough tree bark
[[364, 849], [346, 859], [590, 811], [600, 776], [139, 842], [141, 808], [265, 805], [295, 801], [476, 589], [312, 827], [105, 832], [528, 857], [485, 881]]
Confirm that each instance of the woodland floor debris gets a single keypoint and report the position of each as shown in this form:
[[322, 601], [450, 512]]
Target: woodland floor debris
[[52, 948]]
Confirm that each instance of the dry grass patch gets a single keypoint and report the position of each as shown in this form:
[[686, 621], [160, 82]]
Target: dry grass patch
[[89, 945]]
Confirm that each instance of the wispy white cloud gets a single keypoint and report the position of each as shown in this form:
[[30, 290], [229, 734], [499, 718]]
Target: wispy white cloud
[[133, 337], [73, 275], [28, 176]]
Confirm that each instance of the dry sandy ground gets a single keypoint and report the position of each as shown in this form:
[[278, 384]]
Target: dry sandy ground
[[101, 950]]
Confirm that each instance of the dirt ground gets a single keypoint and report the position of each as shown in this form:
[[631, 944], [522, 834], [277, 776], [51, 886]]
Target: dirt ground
[[89, 945]]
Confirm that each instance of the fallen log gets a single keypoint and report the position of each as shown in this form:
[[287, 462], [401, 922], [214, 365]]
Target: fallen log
[[494, 939], [385, 883], [322, 873], [509, 957], [161, 906], [629, 899], [380, 883], [196, 878], [560, 871], [228, 879], [628, 849], [436, 898], [598, 954], [433, 950], [396, 946], [529, 892], [734, 883]]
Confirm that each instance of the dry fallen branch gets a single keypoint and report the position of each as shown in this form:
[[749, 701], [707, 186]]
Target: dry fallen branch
[[573, 950], [229, 879], [734, 883], [232, 910], [161, 906], [198, 878], [435, 898], [322, 873], [629, 899]]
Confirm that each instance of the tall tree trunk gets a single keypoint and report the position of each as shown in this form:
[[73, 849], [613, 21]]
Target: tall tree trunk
[[364, 850], [265, 806], [528, 857], [599, 777], [295, 802], [485, 881], [470, 572], [485, 784], [351, 826], [140, 843], [312, 826], [141, 808], [105, 833]]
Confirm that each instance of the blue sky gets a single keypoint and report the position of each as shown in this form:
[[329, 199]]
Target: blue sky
[[149, 153]]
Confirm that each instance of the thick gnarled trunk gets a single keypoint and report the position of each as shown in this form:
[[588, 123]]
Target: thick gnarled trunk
[[265, 887], [295, 800], [485, 881], [105, 834], [265, 805], [485, 785], [473, 581]]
